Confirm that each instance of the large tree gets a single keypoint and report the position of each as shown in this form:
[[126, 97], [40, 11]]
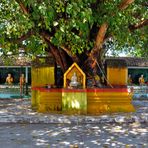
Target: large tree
[[73, 30]]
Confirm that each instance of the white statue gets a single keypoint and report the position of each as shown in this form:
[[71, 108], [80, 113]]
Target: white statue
[[74, 82]]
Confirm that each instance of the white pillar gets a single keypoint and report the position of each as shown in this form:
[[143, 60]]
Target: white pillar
[[26, 69], [26, 74]]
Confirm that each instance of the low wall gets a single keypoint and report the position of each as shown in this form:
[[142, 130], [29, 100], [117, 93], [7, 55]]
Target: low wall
[[46, 100], [82, 101], [109, 101]]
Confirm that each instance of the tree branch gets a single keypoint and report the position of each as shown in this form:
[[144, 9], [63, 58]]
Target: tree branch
[[27, 35], [46, 36], [23, 37], [101, 34], [125, 3], [139, 25], [103, 29], [145, 4], [55, 52], [74, 57], [22, 6]]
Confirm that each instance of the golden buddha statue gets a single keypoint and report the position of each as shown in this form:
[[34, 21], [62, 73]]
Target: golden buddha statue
[[9, 79]]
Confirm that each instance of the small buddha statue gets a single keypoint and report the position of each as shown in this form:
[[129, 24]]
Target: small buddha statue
[[74, 82], [9, 79], [141, 80], [22, 79]]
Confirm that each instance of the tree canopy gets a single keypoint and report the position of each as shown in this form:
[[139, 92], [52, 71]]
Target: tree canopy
[[80, 30]]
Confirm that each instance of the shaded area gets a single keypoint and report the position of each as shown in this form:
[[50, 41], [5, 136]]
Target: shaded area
[[62, 131], [70, 135], [20, 111]]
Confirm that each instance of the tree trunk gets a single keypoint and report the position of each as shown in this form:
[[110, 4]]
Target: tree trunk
[[60, 57], [93, 64]]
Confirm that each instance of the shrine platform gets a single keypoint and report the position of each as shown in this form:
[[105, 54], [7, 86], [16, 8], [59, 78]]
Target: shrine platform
[[91, 101]]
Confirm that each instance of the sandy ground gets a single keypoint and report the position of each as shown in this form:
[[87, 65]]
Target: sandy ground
[[105, 135], [19, 111], [20, 127]]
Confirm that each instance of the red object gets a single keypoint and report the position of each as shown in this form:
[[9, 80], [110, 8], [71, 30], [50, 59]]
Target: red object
[[43, 89]]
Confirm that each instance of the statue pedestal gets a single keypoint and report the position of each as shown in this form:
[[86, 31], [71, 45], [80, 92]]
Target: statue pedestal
[[74, 101]]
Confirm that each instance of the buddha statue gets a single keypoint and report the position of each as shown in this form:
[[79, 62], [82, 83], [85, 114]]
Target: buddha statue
[[9, 79], [74, 81]]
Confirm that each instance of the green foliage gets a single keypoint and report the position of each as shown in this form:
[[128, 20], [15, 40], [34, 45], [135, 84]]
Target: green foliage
[[69, 23]]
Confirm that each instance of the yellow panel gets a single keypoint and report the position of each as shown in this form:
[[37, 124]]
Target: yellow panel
[[105, 94], [50, 102], [42, 76], [117, 76], [74, 102], [109, 102], [33, 99]]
